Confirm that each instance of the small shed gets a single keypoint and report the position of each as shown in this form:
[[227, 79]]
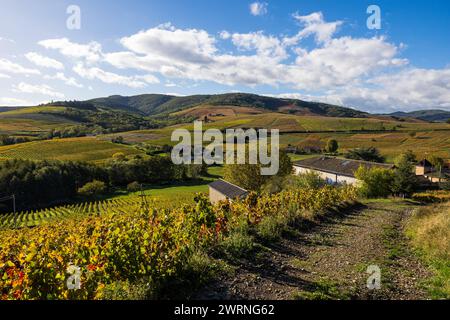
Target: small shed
[[223, 190]]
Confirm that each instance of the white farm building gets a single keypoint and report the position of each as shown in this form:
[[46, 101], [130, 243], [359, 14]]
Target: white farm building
[[335, 170]]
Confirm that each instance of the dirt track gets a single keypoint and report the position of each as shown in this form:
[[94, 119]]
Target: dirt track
[[330, 261]]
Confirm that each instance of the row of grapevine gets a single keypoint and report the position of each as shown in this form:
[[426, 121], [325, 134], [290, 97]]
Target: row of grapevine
[[37, 217], [131, 241]]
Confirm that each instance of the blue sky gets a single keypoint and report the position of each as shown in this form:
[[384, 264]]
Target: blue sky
[[312, 50]]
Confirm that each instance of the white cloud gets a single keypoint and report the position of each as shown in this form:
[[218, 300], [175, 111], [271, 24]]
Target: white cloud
[[149, 78], [176, 94], [190, 45], [170, 84], [92, 51], [43, 61], [4, 76], [70, 81], [314, 24], [344, 70], [37, 89], [264, 45], [14, 102], [336, 63], [408, 90], [11, 67], [7, 40], [258, 8], [225, 35], [308, 97], [341, 61], [92, 73]]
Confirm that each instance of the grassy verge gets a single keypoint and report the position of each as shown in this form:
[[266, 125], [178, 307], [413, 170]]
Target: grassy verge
[[429, 231]]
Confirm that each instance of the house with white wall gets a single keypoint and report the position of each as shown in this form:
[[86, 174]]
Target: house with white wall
[[335, 170]]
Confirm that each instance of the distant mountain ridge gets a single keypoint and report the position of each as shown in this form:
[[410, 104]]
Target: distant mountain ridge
[[163, 105], [3, 109], [426, 115], [154, 104]]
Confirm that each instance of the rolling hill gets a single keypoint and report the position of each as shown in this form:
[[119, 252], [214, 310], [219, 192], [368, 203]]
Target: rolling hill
[[154, 104], [426, 115], [118, 113]]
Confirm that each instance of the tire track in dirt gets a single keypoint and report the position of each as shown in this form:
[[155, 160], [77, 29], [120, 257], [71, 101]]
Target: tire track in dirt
[[330, 261]]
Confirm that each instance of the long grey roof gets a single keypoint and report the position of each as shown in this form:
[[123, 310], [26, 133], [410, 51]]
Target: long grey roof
[[344, 167], [228, 189]]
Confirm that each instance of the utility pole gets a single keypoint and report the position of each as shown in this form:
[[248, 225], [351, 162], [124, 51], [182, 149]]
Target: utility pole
[[13, 198], [14, 209]]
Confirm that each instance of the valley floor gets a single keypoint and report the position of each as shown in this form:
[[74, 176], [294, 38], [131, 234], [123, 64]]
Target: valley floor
[[330, 261]]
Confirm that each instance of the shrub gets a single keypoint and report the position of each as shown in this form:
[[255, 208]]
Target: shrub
[[405, 180], [134, 186], [376, 182], [237, 244], [126, 290], [119, 156], [307, 180], [332, 146], [271, 227], [366, 154], [93, 188]]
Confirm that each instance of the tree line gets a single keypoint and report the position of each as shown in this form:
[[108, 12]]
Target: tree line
[[39, 184]]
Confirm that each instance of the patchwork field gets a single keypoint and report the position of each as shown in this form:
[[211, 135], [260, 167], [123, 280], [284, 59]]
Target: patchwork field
[[29, 127], [389, 144], [421, 137], [389, 135], [75, 149]]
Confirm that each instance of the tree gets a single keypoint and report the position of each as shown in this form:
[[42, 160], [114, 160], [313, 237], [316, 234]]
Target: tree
[[332, 146], [92, 188], [405, 180], [248, 176], [119, 156], [118, 140], [366, 154], [437, 162], [133, 186], [376, 182], [410, 157]]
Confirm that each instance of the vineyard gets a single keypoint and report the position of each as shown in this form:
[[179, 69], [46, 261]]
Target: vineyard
[[129, 241], [86, 209], [38, 217], [73, 149]]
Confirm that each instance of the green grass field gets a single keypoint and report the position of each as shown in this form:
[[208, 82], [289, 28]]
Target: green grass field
[[31, 110], [75, 149], [177, 193]]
